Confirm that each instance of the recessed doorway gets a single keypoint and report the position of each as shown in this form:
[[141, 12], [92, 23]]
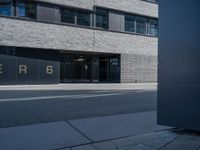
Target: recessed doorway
[[89, 68]]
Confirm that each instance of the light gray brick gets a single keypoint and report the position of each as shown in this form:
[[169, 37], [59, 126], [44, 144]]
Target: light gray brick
[[86, 4], [134, 6]]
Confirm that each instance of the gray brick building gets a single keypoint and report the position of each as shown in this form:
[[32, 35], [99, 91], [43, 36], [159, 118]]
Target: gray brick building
[[53, 41]]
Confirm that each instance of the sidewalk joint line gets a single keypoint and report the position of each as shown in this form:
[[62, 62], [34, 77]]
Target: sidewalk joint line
[[79, 131], [91, 142], [171, 141]]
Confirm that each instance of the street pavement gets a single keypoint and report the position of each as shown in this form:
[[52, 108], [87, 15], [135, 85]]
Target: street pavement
[[106, 118], [29, 106], [72, 133]]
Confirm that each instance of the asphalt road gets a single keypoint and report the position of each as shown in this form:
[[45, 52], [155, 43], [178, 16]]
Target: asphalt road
[[30, 107]]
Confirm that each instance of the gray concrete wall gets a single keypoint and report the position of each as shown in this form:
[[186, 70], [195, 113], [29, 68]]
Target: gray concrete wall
[[138, 53]]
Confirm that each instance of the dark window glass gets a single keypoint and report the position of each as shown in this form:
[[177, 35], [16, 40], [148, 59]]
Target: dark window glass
[[114, 70], [153, 26], [5, 7], [83, 18], [130, 23], [7, 50], [27, 9], [67, 16], [102, 18], [141, 24]]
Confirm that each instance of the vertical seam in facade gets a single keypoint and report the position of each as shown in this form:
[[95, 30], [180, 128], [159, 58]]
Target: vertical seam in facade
[[94, 3]]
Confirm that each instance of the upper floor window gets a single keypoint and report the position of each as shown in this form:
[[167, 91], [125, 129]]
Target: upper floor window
[[6, 7], [101, 18], [26, 9], [83, 18], [141, 25], [130, 23], [67, 16], [104, 18], [153, 26], [77, 17]]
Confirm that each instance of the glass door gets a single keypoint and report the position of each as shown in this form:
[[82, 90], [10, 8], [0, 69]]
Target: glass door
[[103, 69], [95, 69], [114, 69], [66, 68], [82, 68]]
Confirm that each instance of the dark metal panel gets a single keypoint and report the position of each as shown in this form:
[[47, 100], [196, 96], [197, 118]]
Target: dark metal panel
[[27, 66], [179, 73], [49, 67], [179, 63], [47, 12], [178, 106], [7, 66], [179, 30], [116, 21]]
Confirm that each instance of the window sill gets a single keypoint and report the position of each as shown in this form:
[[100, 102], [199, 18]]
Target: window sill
[[150, 2]]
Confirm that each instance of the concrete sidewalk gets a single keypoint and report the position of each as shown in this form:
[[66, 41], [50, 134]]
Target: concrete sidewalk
[[136, 131], [75, 86]]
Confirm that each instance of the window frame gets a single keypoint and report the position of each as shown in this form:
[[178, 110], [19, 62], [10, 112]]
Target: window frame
[[78, 12], [149, 26], [11, 8], [130, 15], [26, 2], [75, 15], [107, 18], [145, 26]]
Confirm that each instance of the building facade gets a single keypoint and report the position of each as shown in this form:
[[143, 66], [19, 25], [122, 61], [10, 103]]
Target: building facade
[[78, 41]]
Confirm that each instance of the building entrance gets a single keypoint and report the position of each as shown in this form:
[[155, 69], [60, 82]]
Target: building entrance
[[83, 68]]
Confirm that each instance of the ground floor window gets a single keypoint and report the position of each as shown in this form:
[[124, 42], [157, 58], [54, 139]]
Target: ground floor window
[[41, 66], [84, 68]]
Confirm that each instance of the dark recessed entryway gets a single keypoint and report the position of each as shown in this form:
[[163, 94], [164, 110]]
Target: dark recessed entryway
[[89, 68]]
